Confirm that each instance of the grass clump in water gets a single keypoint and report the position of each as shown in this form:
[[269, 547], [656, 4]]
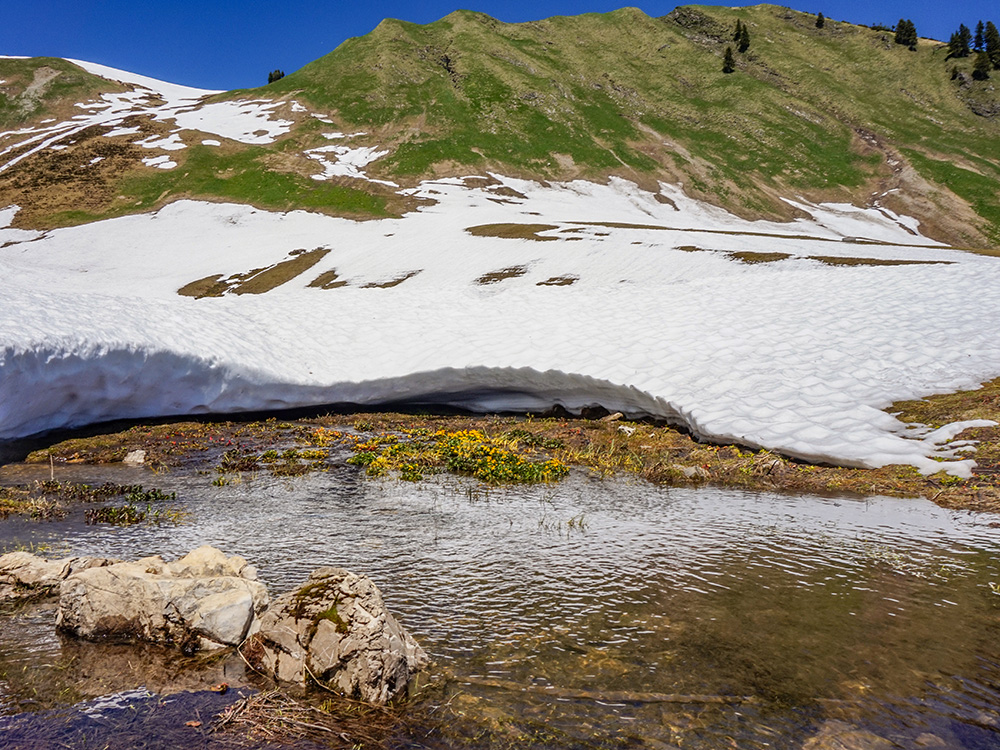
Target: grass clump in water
[[495, 459], [51, 500]]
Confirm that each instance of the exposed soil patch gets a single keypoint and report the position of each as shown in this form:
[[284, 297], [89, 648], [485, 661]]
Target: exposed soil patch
[[752, 258], [80, 178], [513, 231], [559, 281], [837, 261], [257, 280], [494, 277], [327, 280], [391, 283]]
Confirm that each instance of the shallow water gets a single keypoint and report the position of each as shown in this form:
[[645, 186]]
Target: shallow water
[[612, 612]]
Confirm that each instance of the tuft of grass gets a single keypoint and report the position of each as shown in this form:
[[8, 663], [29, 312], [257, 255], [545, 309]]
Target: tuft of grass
[[51, 500], [494, 459]]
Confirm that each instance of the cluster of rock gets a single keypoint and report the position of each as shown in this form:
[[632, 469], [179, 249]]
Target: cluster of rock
[[203, 601], [334, 629]]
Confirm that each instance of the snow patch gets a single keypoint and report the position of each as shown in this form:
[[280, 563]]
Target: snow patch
[[167, 90], [160, 162], [338, 135], [172, 142], [114, 132], [211, 142], [347, 162], [243, 121]]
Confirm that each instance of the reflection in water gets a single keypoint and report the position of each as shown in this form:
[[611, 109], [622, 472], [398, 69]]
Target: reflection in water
[[703, 617]]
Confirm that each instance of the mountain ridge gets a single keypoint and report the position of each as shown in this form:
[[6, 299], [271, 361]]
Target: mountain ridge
[[834, 114]]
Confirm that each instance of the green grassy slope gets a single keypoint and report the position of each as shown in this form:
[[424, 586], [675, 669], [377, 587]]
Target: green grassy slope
[[826, 113], [40, 87], [839, 113]]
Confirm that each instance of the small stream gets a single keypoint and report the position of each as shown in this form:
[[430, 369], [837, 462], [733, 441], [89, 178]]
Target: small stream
[[604, 613]]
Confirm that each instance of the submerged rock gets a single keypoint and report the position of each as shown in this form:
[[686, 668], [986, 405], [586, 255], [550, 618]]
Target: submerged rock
[[27, 576], [335, 629], [838, 735], [202, 601]]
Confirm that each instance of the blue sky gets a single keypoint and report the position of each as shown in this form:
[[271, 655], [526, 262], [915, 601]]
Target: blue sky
[[234, 43]]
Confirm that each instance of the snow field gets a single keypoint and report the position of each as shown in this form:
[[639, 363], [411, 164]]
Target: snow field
[[796, 355]]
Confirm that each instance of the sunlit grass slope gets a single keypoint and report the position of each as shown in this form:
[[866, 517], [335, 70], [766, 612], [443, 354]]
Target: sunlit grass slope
[[836, 112]]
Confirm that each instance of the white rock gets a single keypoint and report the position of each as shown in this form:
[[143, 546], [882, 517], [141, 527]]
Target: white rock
[[135, 458], [200, 600], [23, 575]]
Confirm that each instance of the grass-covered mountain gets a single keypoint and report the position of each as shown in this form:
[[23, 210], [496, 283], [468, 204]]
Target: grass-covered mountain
[[44, 87], [838, 113]]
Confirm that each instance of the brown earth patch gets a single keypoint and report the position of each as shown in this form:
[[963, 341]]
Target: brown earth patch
[[494, 277], [327, 280], [210, 286], [837, 261], [752, 258], [390, 284], [82, 178], [255, 281], [513, 231], [559, 281]]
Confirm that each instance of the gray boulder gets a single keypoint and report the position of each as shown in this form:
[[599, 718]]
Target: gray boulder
[[27, 576], [336, 630], [202, 601]]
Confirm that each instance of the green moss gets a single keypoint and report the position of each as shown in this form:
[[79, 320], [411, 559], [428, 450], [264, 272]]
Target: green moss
[[332, 615]]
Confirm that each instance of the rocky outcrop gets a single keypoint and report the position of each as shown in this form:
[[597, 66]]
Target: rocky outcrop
[[202, 601], [26, 576], [335, 629]]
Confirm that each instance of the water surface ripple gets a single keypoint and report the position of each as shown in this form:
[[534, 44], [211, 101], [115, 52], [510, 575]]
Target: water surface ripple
[[537, 601]]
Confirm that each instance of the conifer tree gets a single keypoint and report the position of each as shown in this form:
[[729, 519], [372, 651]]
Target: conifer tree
[[981, 68], [906, 33], [275, 75], [820, 21], [739, 30], [744, 44], [958, 44], [728, 62], [991, 44], [977, 43]]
